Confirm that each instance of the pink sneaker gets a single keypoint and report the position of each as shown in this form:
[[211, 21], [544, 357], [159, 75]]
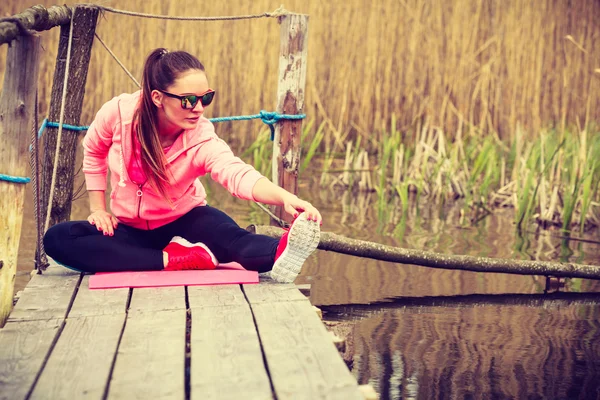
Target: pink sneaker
[[184, 255], [294, 248]]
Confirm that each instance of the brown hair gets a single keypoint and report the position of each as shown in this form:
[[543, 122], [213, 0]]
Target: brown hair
[[160, 71]]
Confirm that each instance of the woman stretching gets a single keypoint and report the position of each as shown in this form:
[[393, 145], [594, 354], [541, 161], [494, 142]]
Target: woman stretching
[[156, 144]]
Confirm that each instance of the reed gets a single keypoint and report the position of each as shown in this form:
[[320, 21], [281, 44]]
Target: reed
[[487, 66], [552, 181]]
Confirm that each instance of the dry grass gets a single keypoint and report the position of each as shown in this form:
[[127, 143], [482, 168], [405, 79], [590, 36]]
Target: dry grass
[[480, 67]]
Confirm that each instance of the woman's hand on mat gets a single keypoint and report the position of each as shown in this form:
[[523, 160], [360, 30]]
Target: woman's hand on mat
[[104, 222], [293, 205]]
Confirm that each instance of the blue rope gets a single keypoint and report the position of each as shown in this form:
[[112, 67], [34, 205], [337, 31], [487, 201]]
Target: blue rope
[[268, 117], [14, 179], [65, 126]]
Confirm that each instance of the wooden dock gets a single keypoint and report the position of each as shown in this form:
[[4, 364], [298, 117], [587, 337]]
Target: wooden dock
[[265, 341]]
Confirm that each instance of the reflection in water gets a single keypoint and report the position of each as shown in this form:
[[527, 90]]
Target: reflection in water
[[480, 352], [417, 332]]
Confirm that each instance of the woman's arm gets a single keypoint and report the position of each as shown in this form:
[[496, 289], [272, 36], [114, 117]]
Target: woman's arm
[[267, 192]]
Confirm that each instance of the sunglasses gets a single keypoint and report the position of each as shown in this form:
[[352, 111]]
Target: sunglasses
[[189, 102]]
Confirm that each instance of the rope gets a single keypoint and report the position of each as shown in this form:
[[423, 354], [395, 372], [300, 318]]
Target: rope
[[281, 222], [64, 126], [14, 179], [49, 124], [117, 60], [40, 261], [280, 12], [268, 117], [60, 125]]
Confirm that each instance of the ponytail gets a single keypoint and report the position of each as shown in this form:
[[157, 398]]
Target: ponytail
[[161, 69]]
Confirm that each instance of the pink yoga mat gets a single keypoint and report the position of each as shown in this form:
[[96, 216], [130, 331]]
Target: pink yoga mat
[[225, 274]]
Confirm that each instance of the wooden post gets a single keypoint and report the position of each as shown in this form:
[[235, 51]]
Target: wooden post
[[290, 100], [16, 118], [84, 27]]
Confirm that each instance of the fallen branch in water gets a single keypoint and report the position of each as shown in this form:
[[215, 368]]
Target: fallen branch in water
[[361, 248]]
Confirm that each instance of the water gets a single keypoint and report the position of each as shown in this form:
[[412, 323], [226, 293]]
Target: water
[[416, 332]]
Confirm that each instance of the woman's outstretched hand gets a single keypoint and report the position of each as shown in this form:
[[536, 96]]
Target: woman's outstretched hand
[[293, 205], [104, 222]]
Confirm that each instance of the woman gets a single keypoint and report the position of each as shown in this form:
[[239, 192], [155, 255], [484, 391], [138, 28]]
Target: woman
[[156, 143]]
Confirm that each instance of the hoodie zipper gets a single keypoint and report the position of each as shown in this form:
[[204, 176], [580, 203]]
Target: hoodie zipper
[[139, 194]]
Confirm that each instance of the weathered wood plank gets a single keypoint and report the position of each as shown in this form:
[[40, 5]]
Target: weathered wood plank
[[98, 302], [17, 109], [23, 349], [80, 363], [275, 292], [151, 358], [47, 296], [216, 296], [302, 360], [226, 360], [157, 299]]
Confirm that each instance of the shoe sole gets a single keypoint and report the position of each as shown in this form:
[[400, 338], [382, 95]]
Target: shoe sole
[[303, 239]]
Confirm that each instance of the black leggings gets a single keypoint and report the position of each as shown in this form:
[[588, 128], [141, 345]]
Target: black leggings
[[79, 245]]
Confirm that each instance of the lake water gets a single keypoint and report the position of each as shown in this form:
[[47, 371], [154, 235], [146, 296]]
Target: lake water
[[416, 332]]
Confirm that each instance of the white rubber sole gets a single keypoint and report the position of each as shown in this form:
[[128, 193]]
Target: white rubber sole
[[303, 239]]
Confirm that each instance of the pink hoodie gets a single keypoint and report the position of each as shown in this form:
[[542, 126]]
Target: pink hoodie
[[109, 144]]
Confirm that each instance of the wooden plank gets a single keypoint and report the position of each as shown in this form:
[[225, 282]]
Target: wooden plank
[[81, 361], [226, 358], [151, 358], [98, 302], [302, 360], [274, 292], [47, 296], [157, 299], [17, 109], [290, 100], [216, 296], [23, 349]]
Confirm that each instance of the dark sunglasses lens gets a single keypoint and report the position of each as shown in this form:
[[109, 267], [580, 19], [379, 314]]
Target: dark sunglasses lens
[[207, 98], [189, 101]]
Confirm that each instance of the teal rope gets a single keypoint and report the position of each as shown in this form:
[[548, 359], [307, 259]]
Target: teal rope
[[14, 179], [65, 126], [268, 117]]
